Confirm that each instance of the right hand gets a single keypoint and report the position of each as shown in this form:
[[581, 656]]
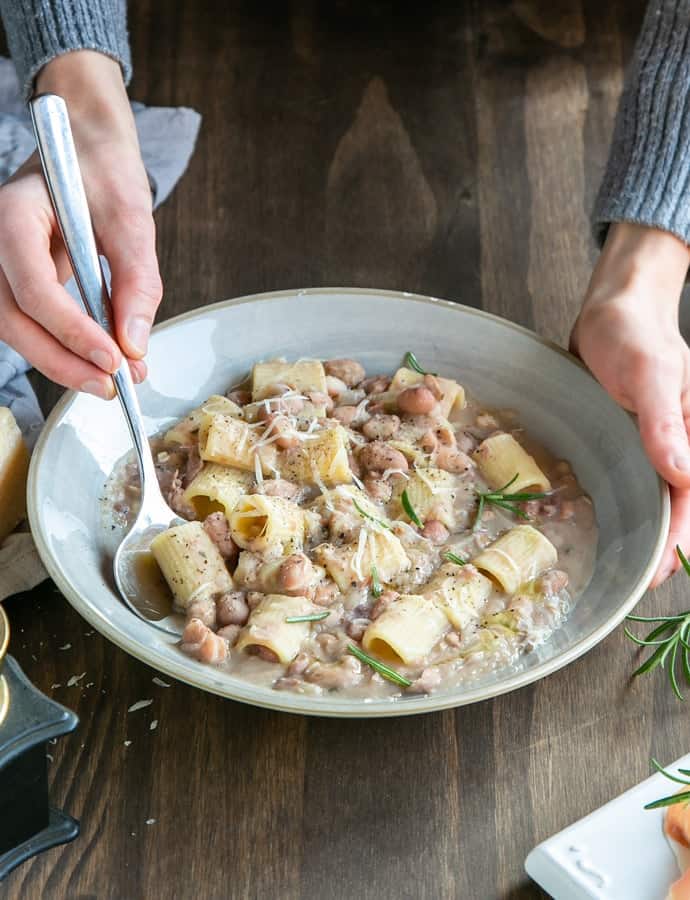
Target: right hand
[[37, 315], [627, 334]]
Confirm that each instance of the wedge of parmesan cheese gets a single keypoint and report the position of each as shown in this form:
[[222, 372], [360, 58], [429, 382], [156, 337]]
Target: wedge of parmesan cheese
[[14, 465]]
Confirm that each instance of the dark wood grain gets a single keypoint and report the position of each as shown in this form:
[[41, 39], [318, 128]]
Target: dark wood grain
[[448, 148]]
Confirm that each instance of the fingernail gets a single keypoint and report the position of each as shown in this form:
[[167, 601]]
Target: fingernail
[[102, 359], [138, 332], [98, 389], [682, 463]]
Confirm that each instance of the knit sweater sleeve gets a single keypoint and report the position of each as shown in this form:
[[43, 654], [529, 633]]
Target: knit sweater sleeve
[[39, 30], [647, 179]]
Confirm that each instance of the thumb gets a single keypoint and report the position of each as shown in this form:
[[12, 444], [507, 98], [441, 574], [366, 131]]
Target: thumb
[[129, 244], [663, 431]]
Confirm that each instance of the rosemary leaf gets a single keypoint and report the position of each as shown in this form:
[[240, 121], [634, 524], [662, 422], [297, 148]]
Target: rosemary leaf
[[672, 673], [379, 667], [683, 559], [669, 801], [453, 558], [632, 618], [410, 510], [411, 362], [651, 663], [506, 500], [657, 765], [645, 642], [685, 665], [376, 588], [310, 617], [367, 515]]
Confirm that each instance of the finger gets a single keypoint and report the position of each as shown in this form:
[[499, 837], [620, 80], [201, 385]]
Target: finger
[[662, 428], [679, 533], [48, 355], [30, 272], [63, 267], [138, 369], [129, 244]]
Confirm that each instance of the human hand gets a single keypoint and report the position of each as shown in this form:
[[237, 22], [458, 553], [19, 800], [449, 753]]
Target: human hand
[[627, 334], [37, 315]]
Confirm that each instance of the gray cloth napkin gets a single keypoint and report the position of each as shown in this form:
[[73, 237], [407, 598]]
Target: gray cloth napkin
[[167, 137]]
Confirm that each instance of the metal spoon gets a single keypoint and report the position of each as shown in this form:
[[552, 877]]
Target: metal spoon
[[136, 573]]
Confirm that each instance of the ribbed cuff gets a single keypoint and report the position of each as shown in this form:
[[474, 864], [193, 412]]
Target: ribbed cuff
[[40, 30], [647, 179]]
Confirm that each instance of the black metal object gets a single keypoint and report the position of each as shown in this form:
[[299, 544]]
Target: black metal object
[[28, 719]]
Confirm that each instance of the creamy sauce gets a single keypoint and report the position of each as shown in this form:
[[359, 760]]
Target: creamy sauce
[[565, 516]]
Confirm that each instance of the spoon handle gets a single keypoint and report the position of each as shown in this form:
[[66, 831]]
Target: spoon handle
[[63, 177]]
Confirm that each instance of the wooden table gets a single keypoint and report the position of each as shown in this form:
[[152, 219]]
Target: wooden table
[[453, 152]]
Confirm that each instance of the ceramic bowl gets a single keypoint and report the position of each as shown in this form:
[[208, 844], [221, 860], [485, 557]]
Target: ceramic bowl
[[205, 351]]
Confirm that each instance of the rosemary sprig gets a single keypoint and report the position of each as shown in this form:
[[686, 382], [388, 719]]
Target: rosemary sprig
[[379, 667], [683, 796], [376, 588], [505, 500], [367, 515], [454, 558], [309, 617], [411, 362], [410, 510], [670, 639]]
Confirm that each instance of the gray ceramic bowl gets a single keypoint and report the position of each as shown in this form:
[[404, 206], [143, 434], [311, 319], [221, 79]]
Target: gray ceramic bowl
[[203, 352]]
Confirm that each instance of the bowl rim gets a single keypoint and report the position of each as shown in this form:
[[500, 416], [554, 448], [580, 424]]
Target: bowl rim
[[242, 691]]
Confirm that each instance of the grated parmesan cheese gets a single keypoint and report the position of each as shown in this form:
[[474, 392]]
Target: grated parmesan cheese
[[358, 557], [388, 472], [257, 469]]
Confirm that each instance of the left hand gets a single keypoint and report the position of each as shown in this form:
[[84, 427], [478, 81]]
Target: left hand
[[627, 334]]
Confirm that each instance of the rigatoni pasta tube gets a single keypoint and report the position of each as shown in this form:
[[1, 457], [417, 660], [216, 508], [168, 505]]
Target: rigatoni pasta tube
[[191, 564], [321, 457], [407, 630], [231, 442], [182, 431], [254, 573], [460, 591], [452, 393], [500, 458], [267, 626], [301, 376], [216, 489], [519, 555], [260, 522], [431, 492], [352, 564]]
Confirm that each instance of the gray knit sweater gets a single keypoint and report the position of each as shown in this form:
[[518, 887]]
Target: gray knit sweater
[[647, 179]]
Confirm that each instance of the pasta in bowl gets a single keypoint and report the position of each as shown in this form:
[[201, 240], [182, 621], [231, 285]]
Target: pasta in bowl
[[368, 534], [364, 537]]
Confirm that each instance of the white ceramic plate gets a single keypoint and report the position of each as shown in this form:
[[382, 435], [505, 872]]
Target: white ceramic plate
[[203, 352], [618, 852]]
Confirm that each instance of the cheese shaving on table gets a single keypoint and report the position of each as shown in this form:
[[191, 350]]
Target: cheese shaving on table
[[140, 704]]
